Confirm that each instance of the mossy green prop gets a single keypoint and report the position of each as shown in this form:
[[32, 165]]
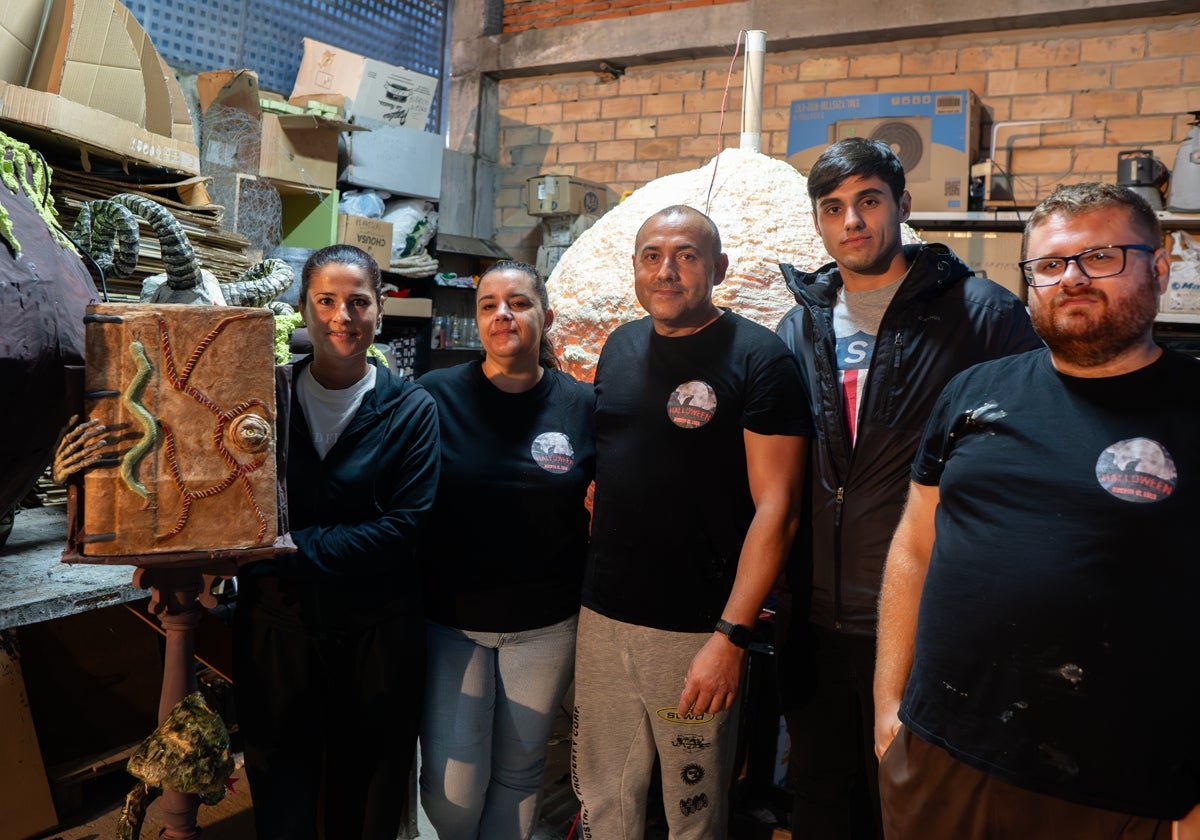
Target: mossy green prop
[[188, 753], [285, 325], [23, 170]]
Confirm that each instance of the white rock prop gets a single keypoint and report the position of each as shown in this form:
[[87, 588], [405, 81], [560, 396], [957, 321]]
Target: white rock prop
[[759, 204], [206, 292]]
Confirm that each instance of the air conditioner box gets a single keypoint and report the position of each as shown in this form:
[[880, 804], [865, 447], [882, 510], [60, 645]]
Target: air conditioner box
[[934, 133]]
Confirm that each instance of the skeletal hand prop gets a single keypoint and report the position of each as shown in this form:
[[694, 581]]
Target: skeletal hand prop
[[79, 449]]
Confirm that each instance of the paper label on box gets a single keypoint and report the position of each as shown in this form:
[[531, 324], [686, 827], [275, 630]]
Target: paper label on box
[[1183, 289]]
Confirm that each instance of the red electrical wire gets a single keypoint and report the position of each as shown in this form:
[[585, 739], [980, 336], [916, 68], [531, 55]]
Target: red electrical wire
[[721, 123]]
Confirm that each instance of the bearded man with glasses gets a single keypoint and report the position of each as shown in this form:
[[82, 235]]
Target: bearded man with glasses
[[1036, 672]]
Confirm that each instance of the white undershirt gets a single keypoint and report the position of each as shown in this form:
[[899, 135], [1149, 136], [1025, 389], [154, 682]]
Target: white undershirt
[[329, 412]]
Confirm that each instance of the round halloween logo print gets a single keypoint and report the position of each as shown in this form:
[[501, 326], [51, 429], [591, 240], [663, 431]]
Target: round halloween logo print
[[692, 404], [1137, 470], [552, 451]]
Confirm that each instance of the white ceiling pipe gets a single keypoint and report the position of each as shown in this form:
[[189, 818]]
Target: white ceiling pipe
[[752, 90]]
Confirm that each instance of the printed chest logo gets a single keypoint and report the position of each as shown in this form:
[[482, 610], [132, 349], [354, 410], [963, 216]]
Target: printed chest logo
[[1137, 470], [692, 404], [854, 351], [671, 715], [552, 451]]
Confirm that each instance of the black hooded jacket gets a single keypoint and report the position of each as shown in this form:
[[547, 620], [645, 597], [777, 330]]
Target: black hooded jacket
[[942, 320], [356, 515]]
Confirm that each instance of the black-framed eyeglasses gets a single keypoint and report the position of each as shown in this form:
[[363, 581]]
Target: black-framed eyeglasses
[[1105, 261]]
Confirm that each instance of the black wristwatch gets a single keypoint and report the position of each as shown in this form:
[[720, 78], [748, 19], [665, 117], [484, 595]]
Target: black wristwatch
[[738, 634]]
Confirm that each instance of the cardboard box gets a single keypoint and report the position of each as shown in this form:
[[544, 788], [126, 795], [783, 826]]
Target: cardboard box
[[25, 797], [934, 133], [399, 160], [19, 26], [991, 254], [96, 53], [564, 230], [97, 131], [548, 257], [298, 149], [557, 195], [408, 307], [372, 235], [385, 92]]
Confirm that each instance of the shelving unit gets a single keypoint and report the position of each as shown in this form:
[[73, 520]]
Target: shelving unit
[[1008, 225]]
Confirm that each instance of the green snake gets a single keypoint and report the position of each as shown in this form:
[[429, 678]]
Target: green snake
[[132, 398]]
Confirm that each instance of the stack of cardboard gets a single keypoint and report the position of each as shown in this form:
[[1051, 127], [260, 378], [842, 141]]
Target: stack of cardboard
[[568, 206]]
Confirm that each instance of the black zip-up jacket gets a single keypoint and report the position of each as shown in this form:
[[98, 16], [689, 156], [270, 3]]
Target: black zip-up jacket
[[942, 320], [356, 516]]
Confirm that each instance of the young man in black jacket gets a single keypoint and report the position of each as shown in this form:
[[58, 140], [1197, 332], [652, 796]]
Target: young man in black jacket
[[878, 333]]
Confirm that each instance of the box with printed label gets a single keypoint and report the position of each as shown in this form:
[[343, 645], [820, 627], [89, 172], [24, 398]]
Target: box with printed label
[[548, 257], [386, 92], [564, 230], [934, 133], [561, 195], [1183, 289], [372, 235]]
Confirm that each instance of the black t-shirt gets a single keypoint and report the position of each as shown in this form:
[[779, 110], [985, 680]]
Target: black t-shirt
[[507, 544], [1057, 641], [672, 497]]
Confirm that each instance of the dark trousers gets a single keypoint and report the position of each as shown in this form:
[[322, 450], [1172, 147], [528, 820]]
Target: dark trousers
[[329, 725], [928, 795], [832, 768]]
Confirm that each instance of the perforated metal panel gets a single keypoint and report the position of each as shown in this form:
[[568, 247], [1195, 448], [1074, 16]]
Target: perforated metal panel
[[266, 35]]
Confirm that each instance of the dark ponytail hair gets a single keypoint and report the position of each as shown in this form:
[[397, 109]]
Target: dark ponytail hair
[[547, 357]]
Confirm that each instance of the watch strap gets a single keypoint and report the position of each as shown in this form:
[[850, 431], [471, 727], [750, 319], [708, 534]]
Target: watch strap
[[738, 634]]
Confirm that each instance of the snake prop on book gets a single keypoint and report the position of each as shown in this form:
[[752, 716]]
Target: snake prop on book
[[108, 230]]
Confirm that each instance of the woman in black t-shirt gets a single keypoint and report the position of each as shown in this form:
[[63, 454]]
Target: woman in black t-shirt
[[503, 563]]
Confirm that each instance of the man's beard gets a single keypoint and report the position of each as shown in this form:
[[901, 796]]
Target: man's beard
[[1085, 341]]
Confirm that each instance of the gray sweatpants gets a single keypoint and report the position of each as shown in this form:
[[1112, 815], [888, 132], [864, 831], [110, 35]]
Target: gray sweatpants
[[627, 685]]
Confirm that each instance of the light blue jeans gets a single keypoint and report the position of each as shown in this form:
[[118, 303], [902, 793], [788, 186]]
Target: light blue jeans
[[490, 703]]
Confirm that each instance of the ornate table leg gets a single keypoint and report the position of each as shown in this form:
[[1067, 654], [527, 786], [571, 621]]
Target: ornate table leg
[[175, 599]]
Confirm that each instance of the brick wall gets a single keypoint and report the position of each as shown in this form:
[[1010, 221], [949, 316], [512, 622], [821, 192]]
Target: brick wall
[[538, 14], [1119, 86]]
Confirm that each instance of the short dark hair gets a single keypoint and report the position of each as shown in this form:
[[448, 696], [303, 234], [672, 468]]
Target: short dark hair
[[1075, 199], [341, 254], [855, 157], [547, 357], [682, 210]]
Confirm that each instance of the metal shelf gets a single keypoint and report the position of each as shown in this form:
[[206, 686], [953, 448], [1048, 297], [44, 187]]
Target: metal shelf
[[1007, 220]]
